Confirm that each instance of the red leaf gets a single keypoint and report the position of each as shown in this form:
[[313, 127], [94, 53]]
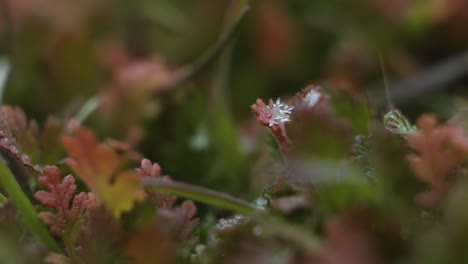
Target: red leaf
[[436, 155], [152, 170], [17, 136], [275, 115], [60, 195]]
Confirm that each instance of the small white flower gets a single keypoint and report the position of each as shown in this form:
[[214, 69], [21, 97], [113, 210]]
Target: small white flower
[[280, 113], [312, 98]]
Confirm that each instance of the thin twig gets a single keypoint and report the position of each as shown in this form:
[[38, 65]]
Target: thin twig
[[220, 73], [431, 79], [187, 73]]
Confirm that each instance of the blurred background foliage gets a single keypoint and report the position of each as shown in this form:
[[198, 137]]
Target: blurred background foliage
[[116, 66], [64, 53]]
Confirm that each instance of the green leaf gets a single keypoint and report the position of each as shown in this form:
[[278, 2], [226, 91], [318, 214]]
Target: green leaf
[[3, 200], [26, 209]]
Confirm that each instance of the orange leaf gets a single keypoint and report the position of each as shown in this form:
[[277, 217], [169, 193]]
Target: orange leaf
[[98, 166]]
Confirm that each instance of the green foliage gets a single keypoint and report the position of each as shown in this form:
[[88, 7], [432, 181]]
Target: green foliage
[[337, 196], [26, 209], [355, 110]]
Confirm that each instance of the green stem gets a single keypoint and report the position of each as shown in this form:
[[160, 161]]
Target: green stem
[[26, 209], [5, 69], [274, 226], [200, 194]]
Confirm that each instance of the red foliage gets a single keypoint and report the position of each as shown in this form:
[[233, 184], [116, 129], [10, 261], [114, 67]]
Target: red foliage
[[274, 116], [440, 149], [152, 170], [60, 195], [23, 140], [185, 215], [431, 142], [17, 134], [181, 217]]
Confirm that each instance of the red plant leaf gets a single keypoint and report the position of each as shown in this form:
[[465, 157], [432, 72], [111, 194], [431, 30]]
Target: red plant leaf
[[436, 156], [60, 195], [185, 214], [23, 141], [152, 170], [17, 136], [275, 115]]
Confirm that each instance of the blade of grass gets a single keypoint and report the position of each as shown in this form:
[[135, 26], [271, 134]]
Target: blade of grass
[[5, 69], [88, 108], [200, 194], [26, 209], [3, 200]]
